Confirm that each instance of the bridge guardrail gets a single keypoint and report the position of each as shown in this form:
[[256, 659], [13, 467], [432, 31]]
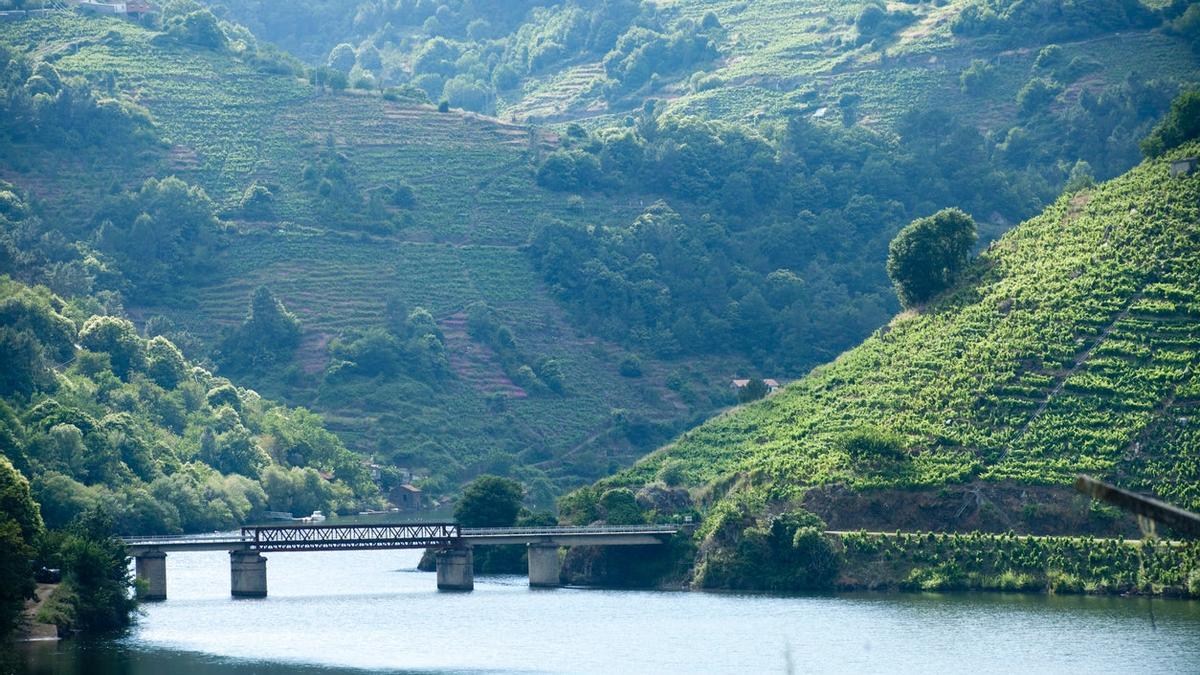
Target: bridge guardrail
[[625, 529], [406, 535]]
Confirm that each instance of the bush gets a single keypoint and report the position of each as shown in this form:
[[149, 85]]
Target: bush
[[631, 366]]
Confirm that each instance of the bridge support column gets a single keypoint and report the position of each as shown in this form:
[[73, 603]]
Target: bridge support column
[[544, 567], [455, 569], [151, 568], [247, 574]]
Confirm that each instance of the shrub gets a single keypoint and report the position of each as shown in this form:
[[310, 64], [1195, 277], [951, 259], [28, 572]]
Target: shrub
[[631, 366]]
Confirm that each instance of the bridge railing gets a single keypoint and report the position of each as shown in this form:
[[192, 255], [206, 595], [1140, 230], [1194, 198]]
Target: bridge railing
[[171, 538], [568, 530], [341, 537], [378, 536]]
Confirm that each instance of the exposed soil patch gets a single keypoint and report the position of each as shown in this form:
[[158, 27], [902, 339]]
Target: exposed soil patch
[[988, 507]]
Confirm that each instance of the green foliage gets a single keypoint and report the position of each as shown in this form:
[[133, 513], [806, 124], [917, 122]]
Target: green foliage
[[1181, 124], [198, 28], [1037, 95], [129, 428], [785, 552], [927, 256], [162, 231], [1048, 20], [20, 525], [977, 77], [755, 389], [342, 58], [119, 339], [42, 106], [269, 333], [1004, 562], [1063, 350], [619, 507], [489, 501], [94, 596]]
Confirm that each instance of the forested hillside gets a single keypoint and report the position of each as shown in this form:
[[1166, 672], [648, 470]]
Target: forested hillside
[[96, 416], [375, 228], [1070, 346]]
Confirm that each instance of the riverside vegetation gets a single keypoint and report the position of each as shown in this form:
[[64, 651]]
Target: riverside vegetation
[[234, 275]]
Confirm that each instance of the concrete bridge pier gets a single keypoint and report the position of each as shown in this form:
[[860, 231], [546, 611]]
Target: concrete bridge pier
[[544, 567], [247, 574], [151, 568], [455, 569]]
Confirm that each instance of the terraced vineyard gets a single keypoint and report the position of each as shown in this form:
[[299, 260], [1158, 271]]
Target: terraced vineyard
[[1072, 348], [800, 55], [476, 203]]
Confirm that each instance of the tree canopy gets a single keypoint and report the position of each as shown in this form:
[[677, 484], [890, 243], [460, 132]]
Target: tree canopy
[[926, 256], [489, 501]]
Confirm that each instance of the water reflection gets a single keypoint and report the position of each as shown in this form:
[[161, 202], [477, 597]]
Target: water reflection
[[355, 611]]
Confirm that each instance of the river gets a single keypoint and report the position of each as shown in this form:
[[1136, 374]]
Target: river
[[361, 611]]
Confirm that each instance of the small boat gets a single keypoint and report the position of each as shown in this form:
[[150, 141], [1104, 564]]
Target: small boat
[[316, 517]]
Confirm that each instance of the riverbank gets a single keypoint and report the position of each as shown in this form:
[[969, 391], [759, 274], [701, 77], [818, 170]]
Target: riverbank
[[789, 558], [32, 630]]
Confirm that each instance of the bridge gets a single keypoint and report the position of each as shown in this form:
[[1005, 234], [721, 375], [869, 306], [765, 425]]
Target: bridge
[[451, 543]]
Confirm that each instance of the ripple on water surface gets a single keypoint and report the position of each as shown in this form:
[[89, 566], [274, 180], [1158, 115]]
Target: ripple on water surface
[[362, 610]]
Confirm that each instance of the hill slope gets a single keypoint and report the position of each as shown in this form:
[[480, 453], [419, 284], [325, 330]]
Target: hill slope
[[1071, 348], [229, 125]]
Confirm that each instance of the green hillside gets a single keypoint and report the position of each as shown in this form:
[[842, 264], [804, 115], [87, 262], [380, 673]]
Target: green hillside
[[481, 295], [339, 263], [1070, 348]]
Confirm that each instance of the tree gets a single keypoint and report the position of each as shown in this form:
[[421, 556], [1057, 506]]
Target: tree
[[269, 332], [369, 58], [96, 575], [620, 507], [23, 368], [116, 337], [164, 363], [927, 255], [199, 28], [466, 93], [1036, 95], [341, 58], [1180, 125], [20, 524], [755, 389], [257, 202], [490, 501]]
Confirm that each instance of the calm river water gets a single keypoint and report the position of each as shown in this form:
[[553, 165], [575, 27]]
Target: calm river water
[[373, 611]]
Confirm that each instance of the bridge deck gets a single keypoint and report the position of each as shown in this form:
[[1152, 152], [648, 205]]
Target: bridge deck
[[397, 536]]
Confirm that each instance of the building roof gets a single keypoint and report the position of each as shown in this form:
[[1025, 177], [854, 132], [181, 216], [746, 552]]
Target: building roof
[[768, 381], [410, 488]]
